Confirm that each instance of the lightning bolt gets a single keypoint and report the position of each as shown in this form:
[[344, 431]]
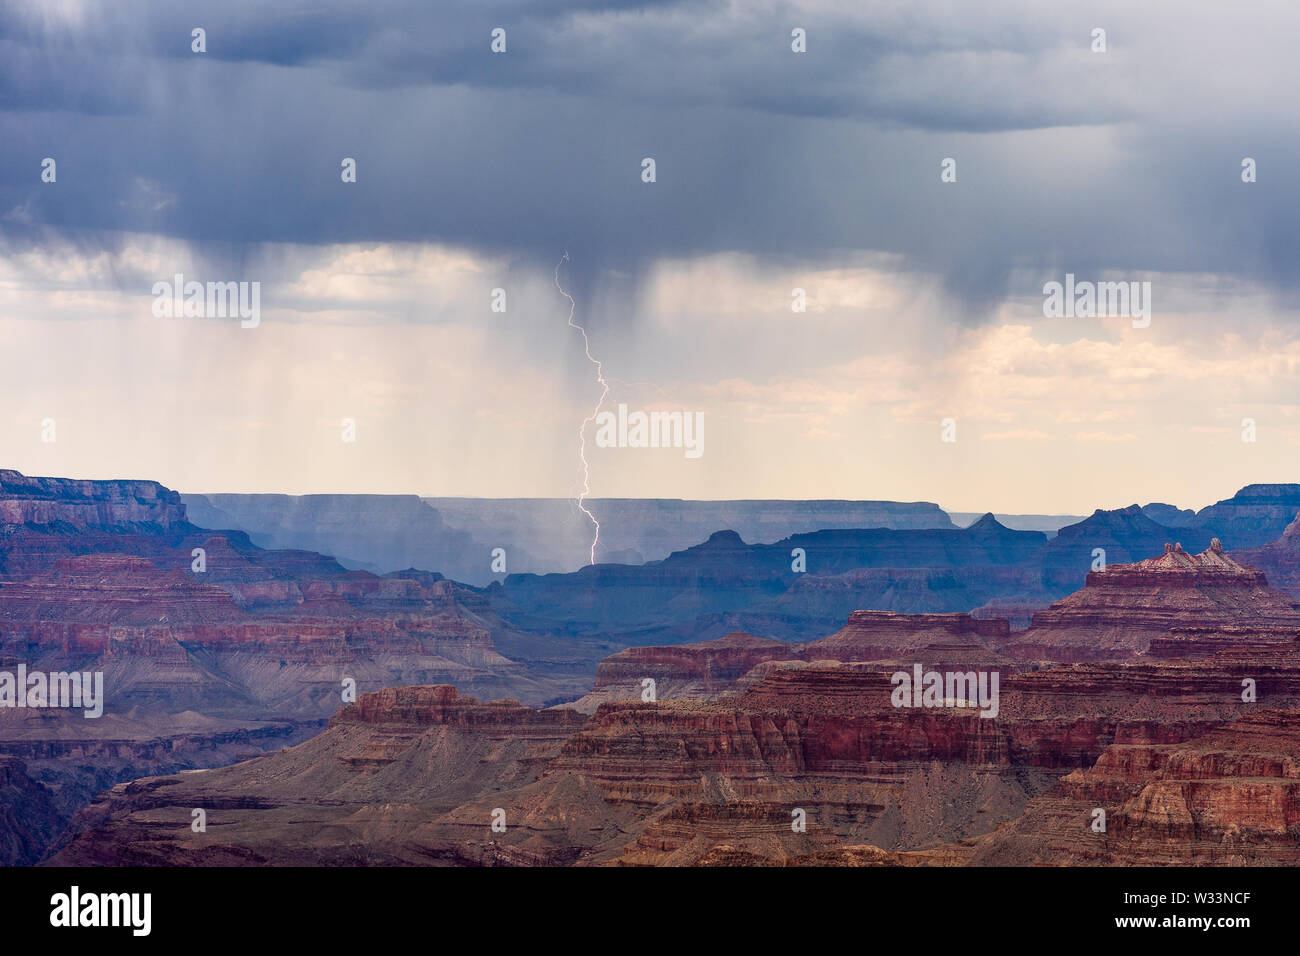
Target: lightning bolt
[[582, 429]]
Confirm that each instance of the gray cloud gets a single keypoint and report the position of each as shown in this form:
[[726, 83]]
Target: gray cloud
[[1067, 160]]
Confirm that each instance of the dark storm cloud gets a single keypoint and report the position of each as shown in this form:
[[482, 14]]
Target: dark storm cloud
[[648, 51], [1067, 160]]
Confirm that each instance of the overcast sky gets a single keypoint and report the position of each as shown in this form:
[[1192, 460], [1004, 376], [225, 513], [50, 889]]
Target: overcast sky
[[775, 170]]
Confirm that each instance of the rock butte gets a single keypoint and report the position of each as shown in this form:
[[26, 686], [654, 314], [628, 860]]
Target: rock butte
[[1122, 609]]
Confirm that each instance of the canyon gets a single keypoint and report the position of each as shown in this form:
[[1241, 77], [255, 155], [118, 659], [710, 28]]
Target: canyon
[[211, 649], [728, 704], [549, 535], [760, 752], [539, 535]]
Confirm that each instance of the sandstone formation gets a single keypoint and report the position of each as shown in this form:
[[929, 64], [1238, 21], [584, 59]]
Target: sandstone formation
[[379, 533], [1279, 560], [211, 649], [1254, 516], [1125, 535], [390, 532], [114, 505], [1164, 692], [1228, 797], [707, 669], [1171, 516], [541, 535], [685, 781], [559, 535], [816, 604], [726, 584], [748, 735], [29, 817], [1122, 609], [374, 788], [703, 670]]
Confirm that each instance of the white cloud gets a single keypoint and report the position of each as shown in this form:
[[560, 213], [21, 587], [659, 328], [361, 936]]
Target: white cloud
[[451, 399]]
